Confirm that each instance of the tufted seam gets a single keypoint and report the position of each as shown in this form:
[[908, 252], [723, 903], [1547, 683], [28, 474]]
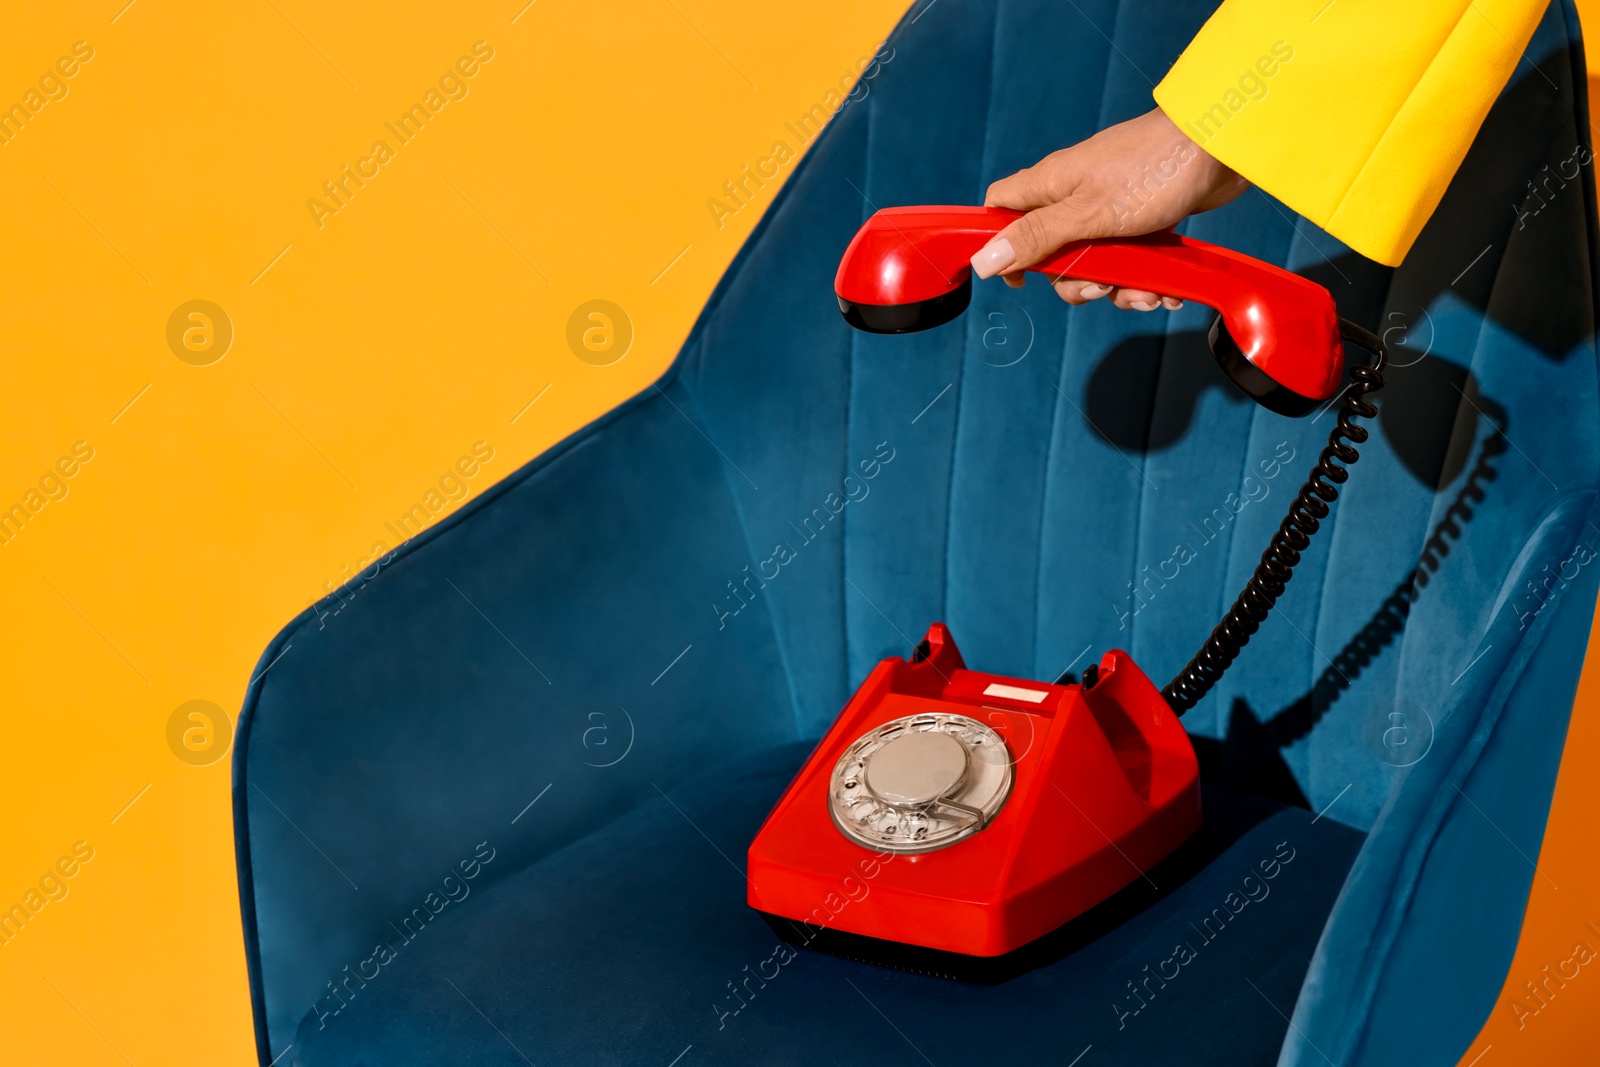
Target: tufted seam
[[961, 364], [849, 407], [1138, 515], [1055, 421], [985, 168]]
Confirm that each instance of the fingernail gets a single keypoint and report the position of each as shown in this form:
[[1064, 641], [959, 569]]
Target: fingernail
[[1141, 305], [1094, 291], [993, 258], [1171, 303]]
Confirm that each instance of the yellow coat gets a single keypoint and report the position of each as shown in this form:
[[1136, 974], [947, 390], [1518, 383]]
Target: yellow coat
[[1355, 113]]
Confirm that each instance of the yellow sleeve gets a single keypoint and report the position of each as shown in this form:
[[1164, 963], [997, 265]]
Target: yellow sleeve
[[1355, 113]]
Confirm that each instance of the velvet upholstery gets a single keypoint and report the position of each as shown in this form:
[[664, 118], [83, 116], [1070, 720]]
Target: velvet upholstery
[[492, 798]]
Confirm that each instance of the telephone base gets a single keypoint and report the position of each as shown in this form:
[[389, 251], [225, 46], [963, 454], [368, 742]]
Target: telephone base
[[970, 814]]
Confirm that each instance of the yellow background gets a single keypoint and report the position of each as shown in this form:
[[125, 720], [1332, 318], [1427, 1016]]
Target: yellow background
[[368, 355]]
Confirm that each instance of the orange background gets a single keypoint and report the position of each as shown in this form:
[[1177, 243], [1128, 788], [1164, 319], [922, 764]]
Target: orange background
[[367, 356]]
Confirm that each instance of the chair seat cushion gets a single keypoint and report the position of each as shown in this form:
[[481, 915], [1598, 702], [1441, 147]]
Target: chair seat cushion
[[635, 945]]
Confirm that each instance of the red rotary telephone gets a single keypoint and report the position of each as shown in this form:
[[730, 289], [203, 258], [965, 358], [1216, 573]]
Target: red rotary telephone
[[971, 813], [991, 809]]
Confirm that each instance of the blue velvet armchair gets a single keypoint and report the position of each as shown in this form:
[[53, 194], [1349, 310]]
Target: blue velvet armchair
[[492, 805]]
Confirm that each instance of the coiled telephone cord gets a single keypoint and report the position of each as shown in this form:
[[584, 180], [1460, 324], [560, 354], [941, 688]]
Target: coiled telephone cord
[[1294, 534]]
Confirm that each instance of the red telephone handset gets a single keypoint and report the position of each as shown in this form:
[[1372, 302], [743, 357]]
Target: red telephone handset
[[1276, 334]]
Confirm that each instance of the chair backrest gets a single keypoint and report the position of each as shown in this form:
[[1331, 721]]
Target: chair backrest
[[1069, 480], [795, 501]]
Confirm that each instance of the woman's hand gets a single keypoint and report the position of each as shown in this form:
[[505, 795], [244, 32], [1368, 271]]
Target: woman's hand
[[1136, 177]]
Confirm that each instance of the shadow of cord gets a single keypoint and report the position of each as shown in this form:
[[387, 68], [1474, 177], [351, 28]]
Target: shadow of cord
[[1250, 755]]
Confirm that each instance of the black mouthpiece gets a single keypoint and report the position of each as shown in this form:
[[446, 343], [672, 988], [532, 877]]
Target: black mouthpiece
[[908, 318], [1251, 379]]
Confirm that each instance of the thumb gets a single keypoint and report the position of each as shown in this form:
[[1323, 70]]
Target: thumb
[[1039, 233]]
